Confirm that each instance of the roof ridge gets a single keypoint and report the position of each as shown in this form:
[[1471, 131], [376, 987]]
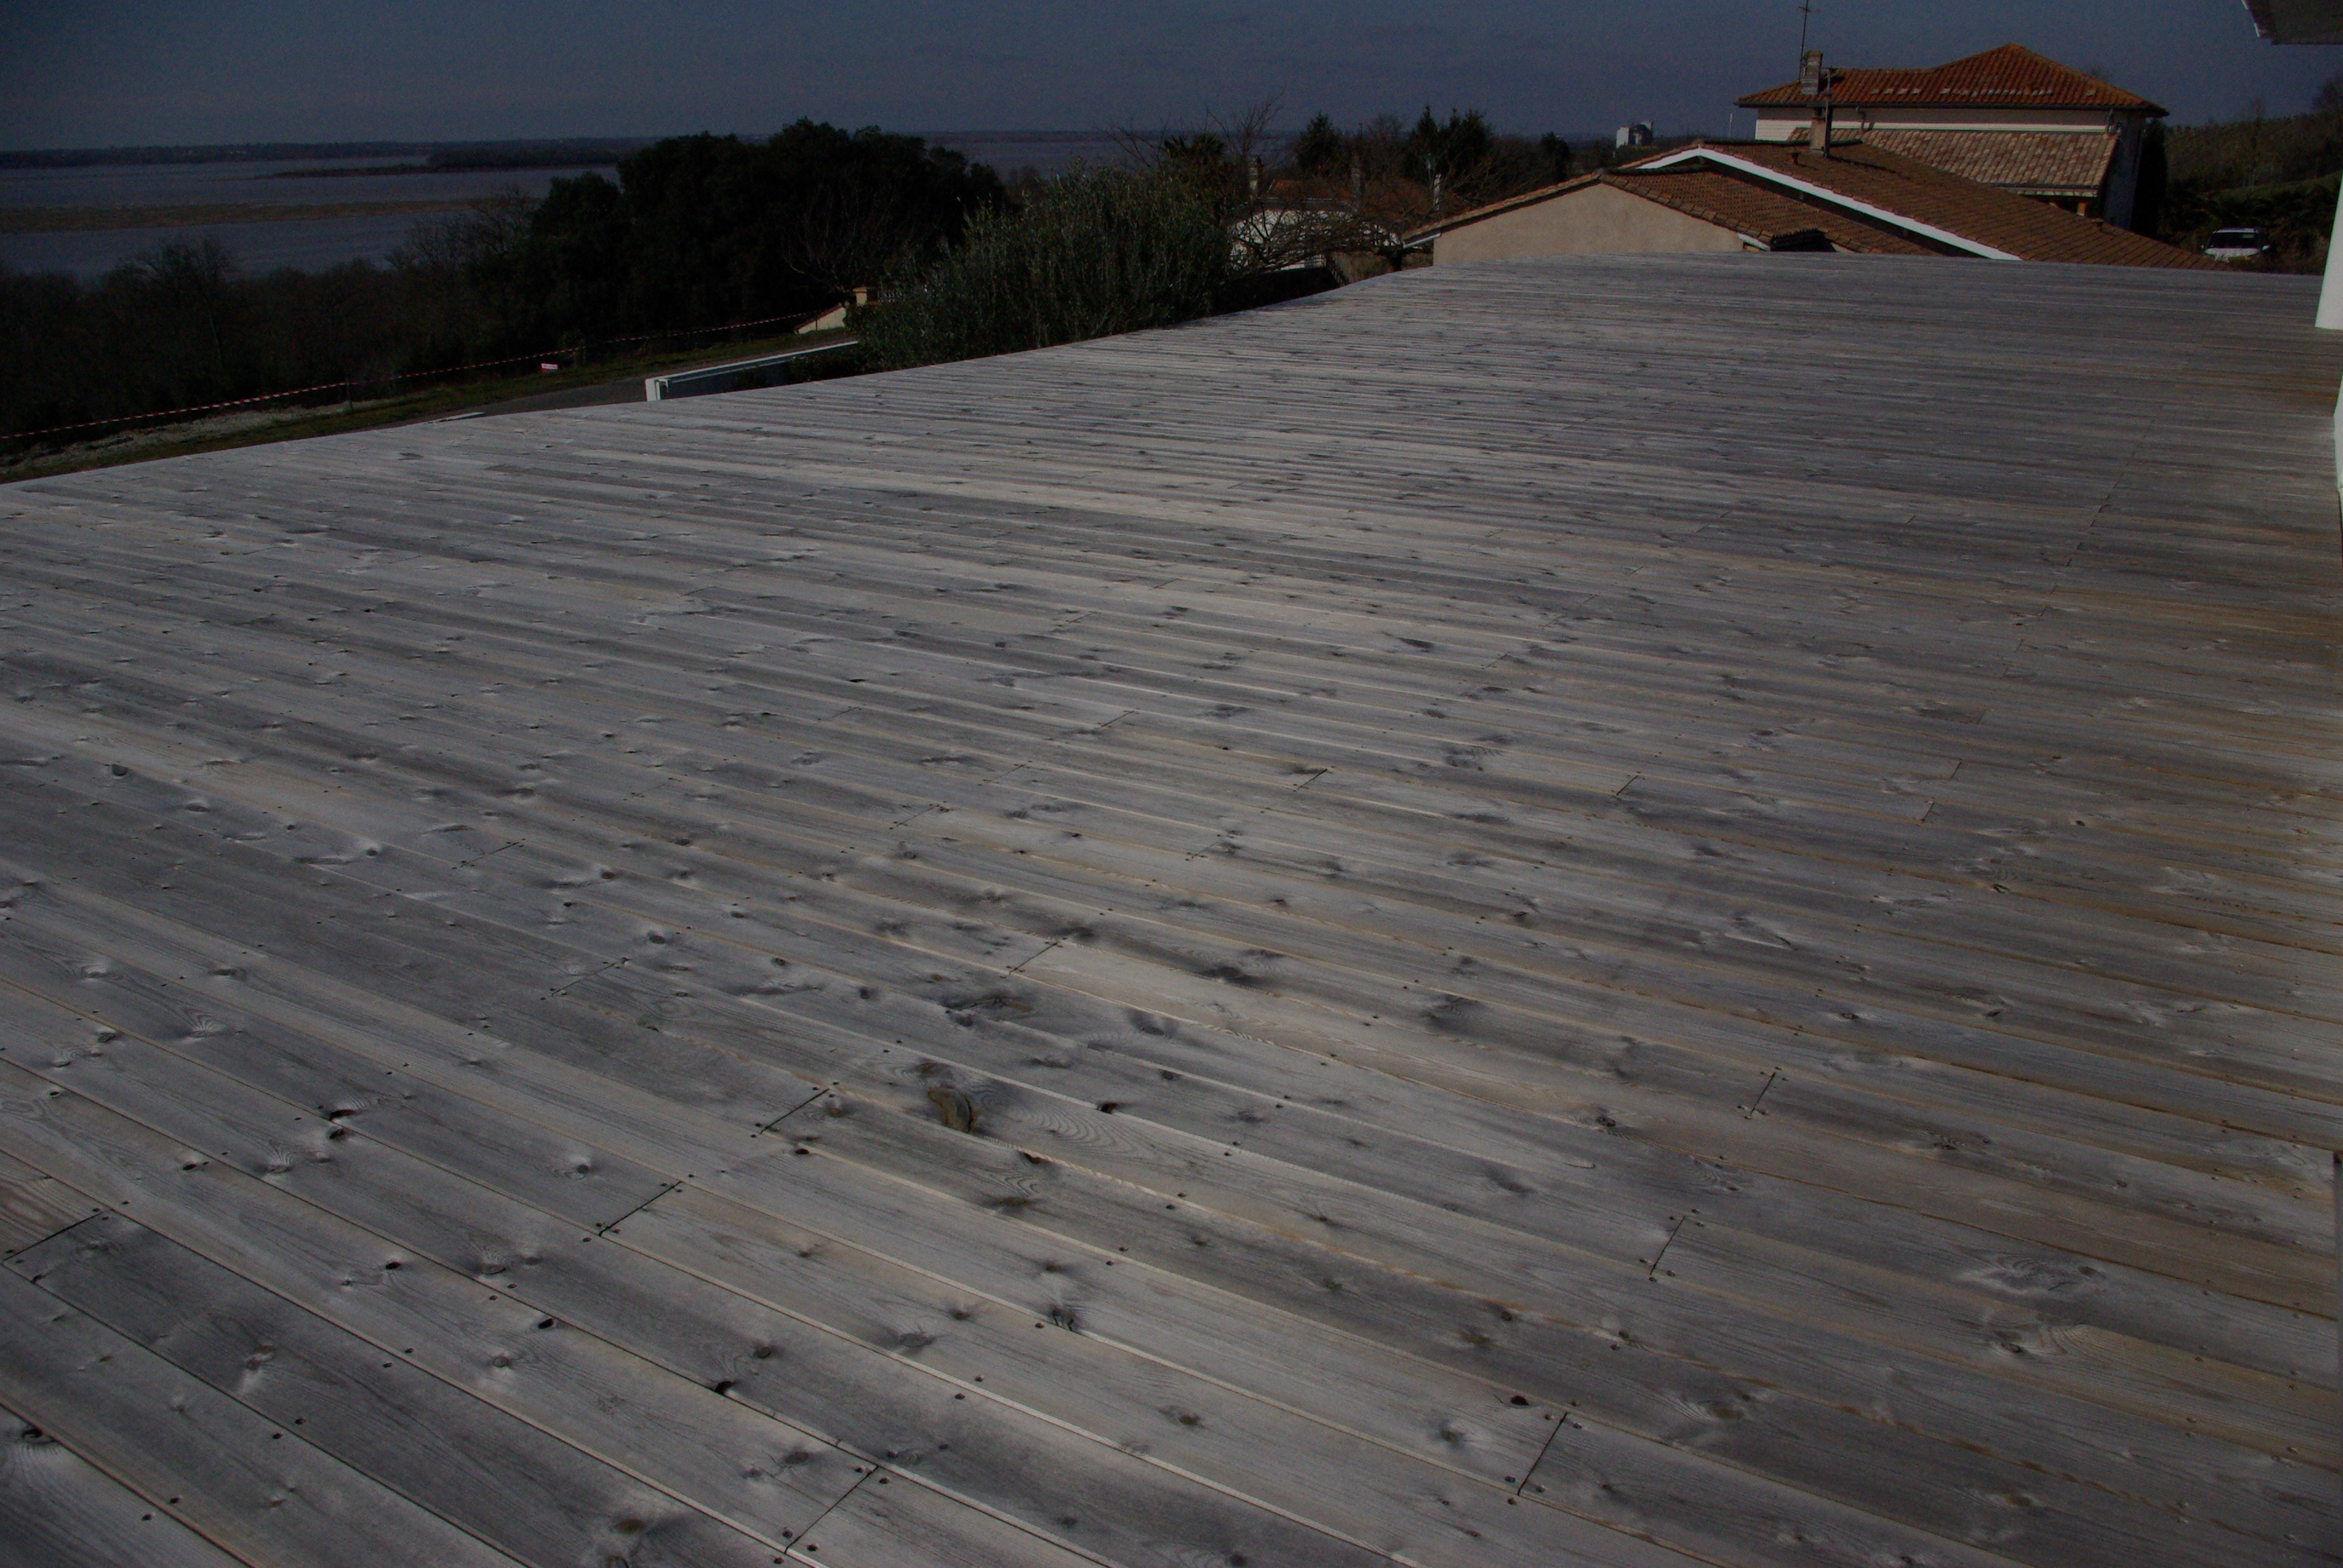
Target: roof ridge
[[1503, 203], [2006, 75]]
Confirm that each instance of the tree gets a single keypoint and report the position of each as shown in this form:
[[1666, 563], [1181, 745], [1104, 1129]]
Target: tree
[[1320, 150], [862, 202], [1088, 254], [192, 281], [1560, 162], [704, 230], [1197, 150], [569, 273], [1453, 151]]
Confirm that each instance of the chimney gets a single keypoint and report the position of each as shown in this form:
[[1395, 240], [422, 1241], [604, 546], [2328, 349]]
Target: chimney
[[1815, 86]]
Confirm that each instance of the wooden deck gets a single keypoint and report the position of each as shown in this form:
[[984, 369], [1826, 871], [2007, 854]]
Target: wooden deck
[[1640, 912]]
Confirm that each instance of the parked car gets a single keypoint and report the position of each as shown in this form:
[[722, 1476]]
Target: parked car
[[2238, 245]]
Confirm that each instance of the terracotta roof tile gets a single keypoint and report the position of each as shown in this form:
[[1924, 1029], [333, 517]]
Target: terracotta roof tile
[[2008, 77], [1760, 212], [1903, 188], [2028, 229], [2038, 163]]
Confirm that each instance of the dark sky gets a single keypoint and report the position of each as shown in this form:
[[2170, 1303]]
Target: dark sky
[[81, 73]]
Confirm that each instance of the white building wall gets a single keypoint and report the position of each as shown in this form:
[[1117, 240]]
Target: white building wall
[[1780, 124]]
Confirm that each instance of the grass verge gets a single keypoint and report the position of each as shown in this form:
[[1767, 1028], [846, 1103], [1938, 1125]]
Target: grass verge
[[258, 427]]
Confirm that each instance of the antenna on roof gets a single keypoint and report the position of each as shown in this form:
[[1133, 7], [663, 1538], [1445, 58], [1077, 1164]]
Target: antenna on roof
[[1805, 12]]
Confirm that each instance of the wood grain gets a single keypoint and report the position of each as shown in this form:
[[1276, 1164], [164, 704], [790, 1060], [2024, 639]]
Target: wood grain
[[1628, 910], [59, 1510]]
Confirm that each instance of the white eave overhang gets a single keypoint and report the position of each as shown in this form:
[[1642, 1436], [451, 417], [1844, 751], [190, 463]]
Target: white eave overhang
[[2298, 21], [1822, 193]]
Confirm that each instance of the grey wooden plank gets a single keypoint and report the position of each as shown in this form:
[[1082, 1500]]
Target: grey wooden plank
[[1852, 1222], [1450, 1264], [722, 1241], [893, 1521], [1779, 1050], [1308, 1470], [59, 1510], [223, 1470], [34, 1206], [754, 1474], [144, 1032], [1379, 1395], [1489, 1326], [495, 1476], [2010, 735], [1884, 941], [1191, 1392], [1908, 1374], [865, 568], [596, 1298]]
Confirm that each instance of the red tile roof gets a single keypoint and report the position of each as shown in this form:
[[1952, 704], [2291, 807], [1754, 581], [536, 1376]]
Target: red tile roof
[[1908, 188], [2035, 163], [2008, 77], [1755, 198]]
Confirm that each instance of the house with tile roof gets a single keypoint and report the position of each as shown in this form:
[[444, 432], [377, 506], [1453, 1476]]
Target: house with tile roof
[[1761, 196], [2006, 117]]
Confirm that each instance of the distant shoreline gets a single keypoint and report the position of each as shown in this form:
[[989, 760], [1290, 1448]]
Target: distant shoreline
[[84, 219], [485, 166], [574, 152]]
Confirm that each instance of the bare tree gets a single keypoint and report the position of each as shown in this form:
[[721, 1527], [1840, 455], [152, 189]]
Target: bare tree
[[489, 227], [1277, 218]]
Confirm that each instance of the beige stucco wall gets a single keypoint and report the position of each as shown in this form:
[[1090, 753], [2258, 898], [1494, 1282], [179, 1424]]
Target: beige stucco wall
[[1596, 220]]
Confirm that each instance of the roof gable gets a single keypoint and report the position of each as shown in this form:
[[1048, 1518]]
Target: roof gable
[[1921, 207], [2008, 77], [1825, 180], [1762, 213], [1932, 204]]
